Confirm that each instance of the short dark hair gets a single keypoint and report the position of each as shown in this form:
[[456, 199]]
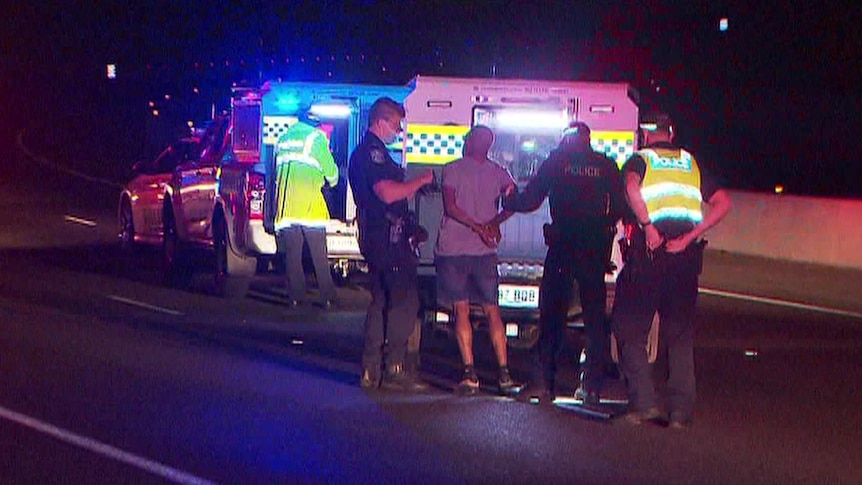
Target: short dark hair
[[656, 121], [577, 128], [385, 108]]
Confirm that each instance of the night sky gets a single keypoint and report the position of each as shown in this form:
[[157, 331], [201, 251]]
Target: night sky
[[776, 99]]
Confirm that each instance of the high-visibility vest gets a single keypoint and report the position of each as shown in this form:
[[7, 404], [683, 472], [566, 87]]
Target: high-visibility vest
[[303, 163], [671, 185]]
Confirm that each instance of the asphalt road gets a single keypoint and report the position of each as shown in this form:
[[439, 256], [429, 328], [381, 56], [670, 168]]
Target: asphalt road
[[108, 376]]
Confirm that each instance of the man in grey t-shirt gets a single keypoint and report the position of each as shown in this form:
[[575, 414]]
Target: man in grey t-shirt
[[466, 250]]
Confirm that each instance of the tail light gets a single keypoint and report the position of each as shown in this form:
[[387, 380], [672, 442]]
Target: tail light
[[255, 192]]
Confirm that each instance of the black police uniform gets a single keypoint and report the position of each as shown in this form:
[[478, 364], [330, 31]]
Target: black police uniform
[[392, 264], [586, 198], [666, 283]]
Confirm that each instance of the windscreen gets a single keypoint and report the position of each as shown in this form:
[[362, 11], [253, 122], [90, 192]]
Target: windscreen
[[246, 127], [524, 137]]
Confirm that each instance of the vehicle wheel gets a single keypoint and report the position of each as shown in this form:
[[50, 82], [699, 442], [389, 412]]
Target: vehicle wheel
[[127, 228], [175, 262], [233, 273]]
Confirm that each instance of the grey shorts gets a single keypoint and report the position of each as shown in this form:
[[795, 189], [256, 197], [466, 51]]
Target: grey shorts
[[467, 278]]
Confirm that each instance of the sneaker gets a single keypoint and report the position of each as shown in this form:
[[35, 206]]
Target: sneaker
[[679, 424], [469, 384], [636, 418], [398, 379], [506, 385], [369, 380]]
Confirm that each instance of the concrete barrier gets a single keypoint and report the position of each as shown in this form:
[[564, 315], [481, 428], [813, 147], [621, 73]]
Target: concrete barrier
[[793, 228]]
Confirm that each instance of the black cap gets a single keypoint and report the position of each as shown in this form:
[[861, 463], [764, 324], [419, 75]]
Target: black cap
[[652, 121], [577, 128]]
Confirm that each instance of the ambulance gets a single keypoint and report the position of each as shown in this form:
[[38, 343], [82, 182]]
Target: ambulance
[[528, 118], [229, 187]]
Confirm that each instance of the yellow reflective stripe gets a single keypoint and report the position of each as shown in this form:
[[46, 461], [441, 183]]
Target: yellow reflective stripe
[[434, 144], [282, 191], [616, 145], [673, 201], [287, 151]]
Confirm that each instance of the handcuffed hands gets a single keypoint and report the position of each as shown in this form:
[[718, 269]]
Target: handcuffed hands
[[679, 244], [489, 233]]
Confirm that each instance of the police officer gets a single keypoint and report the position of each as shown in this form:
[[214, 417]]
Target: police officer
[[665, 188], [303, 164], [381, 193], [585, 193]]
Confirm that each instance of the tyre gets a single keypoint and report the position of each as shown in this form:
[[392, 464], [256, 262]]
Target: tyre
[[175, 259], [233, 272], [127, 228]]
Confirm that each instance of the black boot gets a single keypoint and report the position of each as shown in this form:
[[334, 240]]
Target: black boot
[[370, 379], [411, 363], [398, 379]]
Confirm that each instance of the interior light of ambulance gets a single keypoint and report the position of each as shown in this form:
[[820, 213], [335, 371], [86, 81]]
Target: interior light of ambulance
[[331, 110], [532, 119]]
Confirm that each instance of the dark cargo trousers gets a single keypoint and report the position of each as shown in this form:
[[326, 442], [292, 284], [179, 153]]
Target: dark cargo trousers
[[564, 266], [391, 316], [293, 238], [667, 284]]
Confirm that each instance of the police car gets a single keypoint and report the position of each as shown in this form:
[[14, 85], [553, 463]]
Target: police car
[[140, 206]]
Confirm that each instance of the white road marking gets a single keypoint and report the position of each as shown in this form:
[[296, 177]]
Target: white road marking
[[141, 304], [78, 220], [780, 302], [145, 464]]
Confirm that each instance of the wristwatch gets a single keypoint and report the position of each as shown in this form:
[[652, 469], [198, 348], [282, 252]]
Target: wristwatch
[[645, 224]]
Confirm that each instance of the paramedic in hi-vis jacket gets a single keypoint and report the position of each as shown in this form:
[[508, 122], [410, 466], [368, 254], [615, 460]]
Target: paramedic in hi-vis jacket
[[303, 164]]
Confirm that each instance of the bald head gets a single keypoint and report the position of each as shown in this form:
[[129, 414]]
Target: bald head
[[478, 142]]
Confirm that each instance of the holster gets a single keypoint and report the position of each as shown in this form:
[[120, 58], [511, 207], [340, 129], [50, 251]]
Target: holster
[[405, 234], [699, 248]]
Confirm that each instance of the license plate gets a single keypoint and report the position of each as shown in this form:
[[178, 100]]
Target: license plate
[[518, 296], [342, 244]]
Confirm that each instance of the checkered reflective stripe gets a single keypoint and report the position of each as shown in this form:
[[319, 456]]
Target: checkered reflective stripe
[[434, 144], [618, 145], [275, 126]]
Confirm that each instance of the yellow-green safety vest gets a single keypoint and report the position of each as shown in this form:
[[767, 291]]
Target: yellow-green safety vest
[[671, 185]]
